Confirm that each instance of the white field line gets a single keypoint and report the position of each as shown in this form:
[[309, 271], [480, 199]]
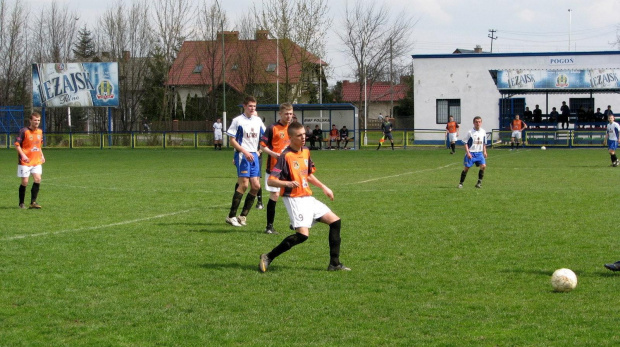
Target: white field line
[[103, 226], [424, 170]]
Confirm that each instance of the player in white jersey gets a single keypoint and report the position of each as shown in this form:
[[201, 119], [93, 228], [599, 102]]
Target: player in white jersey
[[217, 134], [475, 151], [245, 132], [613, 133]]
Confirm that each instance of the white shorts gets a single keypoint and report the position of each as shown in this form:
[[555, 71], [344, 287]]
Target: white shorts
[[217, 136], [516, 134], [304, 211], [452, 137], [268, 187], [26, 171]]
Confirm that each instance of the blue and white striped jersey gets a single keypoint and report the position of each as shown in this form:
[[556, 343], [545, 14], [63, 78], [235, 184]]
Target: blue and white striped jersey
[[613, 131], [247, 131], [475, 140]]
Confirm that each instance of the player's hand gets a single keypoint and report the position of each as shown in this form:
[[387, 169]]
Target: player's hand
[[292, 184], [25, 159], [42, 160], [469, 155], [328, 192], [249, 156], [485, 154]]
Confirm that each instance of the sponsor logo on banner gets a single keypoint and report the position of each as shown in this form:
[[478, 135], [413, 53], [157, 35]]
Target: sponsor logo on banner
[[603, 78], [521, 79], [562, 81], [562, 61]]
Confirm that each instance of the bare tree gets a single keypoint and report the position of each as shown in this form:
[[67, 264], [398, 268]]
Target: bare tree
[[14, 61], [371, 36], [129, 41], [295, 23], [57, 27]]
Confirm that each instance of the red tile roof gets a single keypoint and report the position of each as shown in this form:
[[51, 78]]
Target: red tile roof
[[378, 91], [262, 52]]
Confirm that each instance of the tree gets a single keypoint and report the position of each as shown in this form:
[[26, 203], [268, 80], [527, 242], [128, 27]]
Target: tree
[[371, 35], [300, 23], [14, 55], [154, 90], [84, 49]]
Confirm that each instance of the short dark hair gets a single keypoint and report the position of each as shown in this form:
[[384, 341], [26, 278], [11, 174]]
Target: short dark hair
[[248, 99], [35, 115], [294, 127]]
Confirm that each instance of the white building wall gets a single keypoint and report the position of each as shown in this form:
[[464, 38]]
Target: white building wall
[[466, 77]]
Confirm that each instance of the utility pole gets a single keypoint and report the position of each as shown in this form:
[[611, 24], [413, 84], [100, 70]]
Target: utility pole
[[492, 37], [391, 82], [570, 23]]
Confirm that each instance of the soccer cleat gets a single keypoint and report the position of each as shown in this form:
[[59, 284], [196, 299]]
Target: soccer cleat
[[259, 205], [479, 184], [615, 164], [270, 230], [22, 206], [34, 205], [264, 263], [339, 267], [233, 221], [613, 267], [460, 185], [241, 220]]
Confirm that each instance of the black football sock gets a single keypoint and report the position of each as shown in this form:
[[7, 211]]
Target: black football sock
[[613, 158], [259, 195], [379, 146], [512, 145], [392, 143], [453, 147], [34, 192], [334, 243], [236, 201], [22, 193], [480, 175], [271, 211], [463, 175], [247, 206], [286, 244]]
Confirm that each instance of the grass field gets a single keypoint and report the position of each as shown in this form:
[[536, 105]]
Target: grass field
[[131, 249]]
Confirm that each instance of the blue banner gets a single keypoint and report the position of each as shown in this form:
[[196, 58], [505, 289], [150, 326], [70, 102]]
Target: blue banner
[[558, 79], [75, 85]]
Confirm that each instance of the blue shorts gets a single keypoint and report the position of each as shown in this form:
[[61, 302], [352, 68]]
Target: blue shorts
[[612, 145], [247, 168], [476, 158]]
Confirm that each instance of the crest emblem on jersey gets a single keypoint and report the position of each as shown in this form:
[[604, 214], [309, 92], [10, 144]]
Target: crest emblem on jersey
[[281, 134], [295, 165]]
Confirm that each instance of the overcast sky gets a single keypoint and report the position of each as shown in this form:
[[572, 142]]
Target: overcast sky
[[444, 25]]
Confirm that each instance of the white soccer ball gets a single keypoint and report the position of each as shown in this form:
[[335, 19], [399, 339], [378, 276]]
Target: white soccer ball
[[563, 280], [543, 148]]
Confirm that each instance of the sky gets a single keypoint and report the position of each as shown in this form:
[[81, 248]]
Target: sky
[[445, 25]]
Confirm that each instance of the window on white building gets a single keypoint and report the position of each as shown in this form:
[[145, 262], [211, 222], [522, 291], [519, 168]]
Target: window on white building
[[447, 108]]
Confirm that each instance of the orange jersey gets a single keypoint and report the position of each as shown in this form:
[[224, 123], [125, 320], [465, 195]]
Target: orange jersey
[[31, 142], [452, 126], [294, 166], [517, 124], [333, 133], [276, 139]]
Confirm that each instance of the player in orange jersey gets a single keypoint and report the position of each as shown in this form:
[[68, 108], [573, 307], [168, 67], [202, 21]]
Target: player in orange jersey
[[517, 127], [452, 131], [293, 173], [29, 144], [273, 142]]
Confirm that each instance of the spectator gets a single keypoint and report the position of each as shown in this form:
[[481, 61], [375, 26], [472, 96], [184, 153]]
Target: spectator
[[608, 111], [527, 115], [553, 115], [333, 136], [344, 136], [317, 136], [564, 119], [537, 116], [599, 116]]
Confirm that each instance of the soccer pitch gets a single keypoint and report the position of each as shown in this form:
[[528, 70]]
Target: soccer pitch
[[131, 249]]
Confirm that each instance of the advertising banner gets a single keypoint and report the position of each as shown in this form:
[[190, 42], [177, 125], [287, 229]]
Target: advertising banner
[[75, 85], [558, 79]]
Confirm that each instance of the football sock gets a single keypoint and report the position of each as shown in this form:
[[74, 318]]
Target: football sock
[[259, 195], [480, 175], [613, 158], [334, 243], [34, 192], [247, 206], [271, 211], [286, 244], [236, 186], [463, 175], [392, 143], [22, 193], [453, 147], [236, 201], [379, 146], [512, 145]]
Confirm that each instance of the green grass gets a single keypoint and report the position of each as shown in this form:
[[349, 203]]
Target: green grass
[[131, 249]]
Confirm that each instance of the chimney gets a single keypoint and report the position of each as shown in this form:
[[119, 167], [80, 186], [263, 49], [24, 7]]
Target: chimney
[[262, 35], [229, 36], [478, 49]]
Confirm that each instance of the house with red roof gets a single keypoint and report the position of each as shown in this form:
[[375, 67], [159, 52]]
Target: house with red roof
[[252, 67]]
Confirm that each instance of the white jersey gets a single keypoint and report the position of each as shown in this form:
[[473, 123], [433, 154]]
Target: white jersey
[[217, 128], [613, 131], [475, 140], [247, 131]]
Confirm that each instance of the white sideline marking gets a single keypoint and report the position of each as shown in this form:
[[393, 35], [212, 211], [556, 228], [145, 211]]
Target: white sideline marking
[[405, 173], [17, 237]]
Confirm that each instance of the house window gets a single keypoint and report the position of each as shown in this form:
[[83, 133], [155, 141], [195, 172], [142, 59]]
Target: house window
[[197, 69], [447, 108], [271, 68]]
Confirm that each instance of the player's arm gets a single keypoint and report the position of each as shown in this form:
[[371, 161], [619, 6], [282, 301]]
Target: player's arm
[[315, 182], [524, 126], [269, 151], [237, 146], [22, 155]]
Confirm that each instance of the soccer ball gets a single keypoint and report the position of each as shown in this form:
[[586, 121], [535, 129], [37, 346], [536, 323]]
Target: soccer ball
[[543, 148], [563, 280]]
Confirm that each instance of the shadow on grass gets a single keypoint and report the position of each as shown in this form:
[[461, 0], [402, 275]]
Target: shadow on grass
[[254, 267]]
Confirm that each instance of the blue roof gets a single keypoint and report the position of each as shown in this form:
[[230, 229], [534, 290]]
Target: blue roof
[[495, 55]]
